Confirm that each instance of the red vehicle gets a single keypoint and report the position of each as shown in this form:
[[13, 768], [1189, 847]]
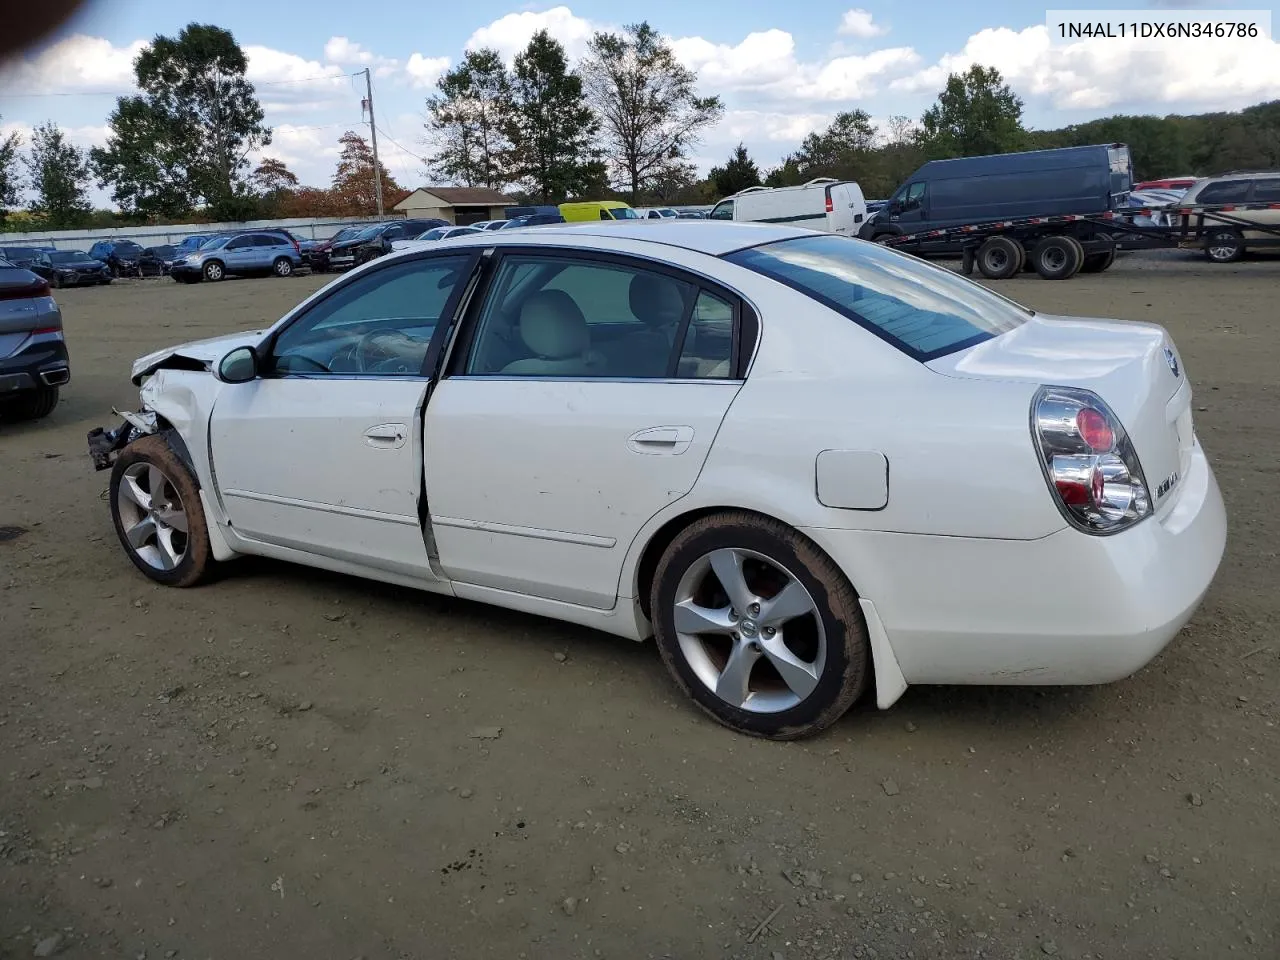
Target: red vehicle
[[1171, 183]]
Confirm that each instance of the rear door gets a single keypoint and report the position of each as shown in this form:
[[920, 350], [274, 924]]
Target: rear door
[[546, 455], [846, 208]]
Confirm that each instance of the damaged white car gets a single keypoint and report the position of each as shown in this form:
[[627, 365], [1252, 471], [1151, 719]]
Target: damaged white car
[[803, 463]]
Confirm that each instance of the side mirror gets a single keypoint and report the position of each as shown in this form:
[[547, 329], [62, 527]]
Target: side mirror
[[238, 366]]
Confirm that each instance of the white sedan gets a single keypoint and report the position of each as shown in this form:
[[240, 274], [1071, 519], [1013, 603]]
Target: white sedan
[[805, 464]]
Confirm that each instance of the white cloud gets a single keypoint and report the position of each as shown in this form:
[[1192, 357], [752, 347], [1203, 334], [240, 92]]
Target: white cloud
[[855, 77], [425, 71], [787, 128], [859, 23], [343, 51], [73, 64], [1099, 75], [512, 33]]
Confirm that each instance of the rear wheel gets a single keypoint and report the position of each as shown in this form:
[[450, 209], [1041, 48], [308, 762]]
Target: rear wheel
[[759, 627], [1098, 262], [283, 267], [1057, 258], [1224, 246], [32, 404], [156, 509], [999, 258]]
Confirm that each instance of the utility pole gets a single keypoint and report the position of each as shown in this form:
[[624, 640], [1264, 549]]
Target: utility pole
[[373, 139]]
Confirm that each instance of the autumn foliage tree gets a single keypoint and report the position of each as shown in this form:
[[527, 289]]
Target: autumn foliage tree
[[354, 192]]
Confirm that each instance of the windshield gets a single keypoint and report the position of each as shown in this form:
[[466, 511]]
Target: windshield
[[67, 256], [20, 253], [624, 213], [344, 234], [924, 310], [127, 246], [217, 243], [368, 232]]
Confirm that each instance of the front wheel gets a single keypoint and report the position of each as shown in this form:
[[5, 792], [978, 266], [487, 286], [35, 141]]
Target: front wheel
[[213, 271], [156, 509], [1224, 246], [283, 267], [759, 627]]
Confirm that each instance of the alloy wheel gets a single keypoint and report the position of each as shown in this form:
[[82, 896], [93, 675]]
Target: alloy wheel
[[152, 516]]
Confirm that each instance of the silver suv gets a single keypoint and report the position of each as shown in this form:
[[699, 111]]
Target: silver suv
[[1225, 242], [33, 353]]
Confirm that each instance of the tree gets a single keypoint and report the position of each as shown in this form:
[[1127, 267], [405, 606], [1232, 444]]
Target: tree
[[274, 183], [354, 191], [737, 174], [975, 114], [550, 126], [10, 178], [647, 103], [59, 177], [187, 138], [468, 118]]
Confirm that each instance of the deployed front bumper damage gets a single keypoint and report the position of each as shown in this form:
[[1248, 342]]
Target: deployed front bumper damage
[[104, 444]]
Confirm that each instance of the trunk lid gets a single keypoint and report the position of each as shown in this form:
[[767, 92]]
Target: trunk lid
[[1133, 367]]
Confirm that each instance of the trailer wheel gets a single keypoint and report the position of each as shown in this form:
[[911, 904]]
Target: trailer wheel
[[998, 258], [1097, 262], [1224, 246], [1057, 258], [966, 262]]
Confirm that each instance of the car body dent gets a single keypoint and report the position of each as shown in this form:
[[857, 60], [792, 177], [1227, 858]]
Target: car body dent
[[195, 355]]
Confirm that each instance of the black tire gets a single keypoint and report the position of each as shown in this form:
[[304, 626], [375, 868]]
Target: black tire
[[32, 404], [1058, 257], [104, 281], [213, 271], [283, 267], [883, 238], [1098, 262], [966, 262], [1223, 246], [999, 258], [56, 282], [846, 667], [197, 563], [115, 272]]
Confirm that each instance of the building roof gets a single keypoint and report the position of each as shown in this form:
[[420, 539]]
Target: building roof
[[461, 196]]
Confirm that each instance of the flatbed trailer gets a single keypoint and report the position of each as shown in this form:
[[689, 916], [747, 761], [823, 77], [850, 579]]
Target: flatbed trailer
[[1059, 247]]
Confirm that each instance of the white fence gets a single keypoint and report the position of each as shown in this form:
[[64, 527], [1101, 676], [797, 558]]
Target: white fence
[[307, 228]]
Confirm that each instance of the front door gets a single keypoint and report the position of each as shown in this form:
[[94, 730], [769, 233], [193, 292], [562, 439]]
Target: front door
[[585, 401], [323, 452]]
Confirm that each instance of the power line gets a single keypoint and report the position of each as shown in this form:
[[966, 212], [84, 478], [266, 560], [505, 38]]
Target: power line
[[403, 149]]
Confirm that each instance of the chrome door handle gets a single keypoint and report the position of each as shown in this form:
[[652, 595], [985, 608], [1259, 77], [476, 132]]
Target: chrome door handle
[[386, 435]]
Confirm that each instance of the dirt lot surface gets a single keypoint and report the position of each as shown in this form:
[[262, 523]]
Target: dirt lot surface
[[292, 764]]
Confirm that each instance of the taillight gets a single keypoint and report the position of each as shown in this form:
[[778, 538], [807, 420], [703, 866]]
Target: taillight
[[37, 288], [1088, 460], [830, 205]]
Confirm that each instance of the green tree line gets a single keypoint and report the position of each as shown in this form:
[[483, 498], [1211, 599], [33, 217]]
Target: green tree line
[[623, 122]]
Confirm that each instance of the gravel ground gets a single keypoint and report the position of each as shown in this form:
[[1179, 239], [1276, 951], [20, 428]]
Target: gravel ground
[[293, 764]]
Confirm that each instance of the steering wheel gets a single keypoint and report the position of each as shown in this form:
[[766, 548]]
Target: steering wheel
[[386, 343]]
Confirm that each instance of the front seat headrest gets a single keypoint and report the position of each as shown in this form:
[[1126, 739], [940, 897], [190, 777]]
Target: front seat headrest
[[655, 301], [552, 326]]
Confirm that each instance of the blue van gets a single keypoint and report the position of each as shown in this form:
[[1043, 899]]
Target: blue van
[[1094, 179]]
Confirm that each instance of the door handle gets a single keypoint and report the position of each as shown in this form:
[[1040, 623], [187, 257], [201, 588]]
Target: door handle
[[672, 441], [390, 435]]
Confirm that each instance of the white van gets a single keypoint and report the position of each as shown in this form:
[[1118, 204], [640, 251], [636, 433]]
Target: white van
[[826, 204]]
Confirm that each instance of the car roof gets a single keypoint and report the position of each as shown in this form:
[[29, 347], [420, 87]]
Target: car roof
[[708, 236]]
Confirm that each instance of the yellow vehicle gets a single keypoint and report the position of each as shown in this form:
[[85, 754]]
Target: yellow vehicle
[[597, 210]]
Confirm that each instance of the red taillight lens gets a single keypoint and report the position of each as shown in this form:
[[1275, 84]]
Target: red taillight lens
[[41, 330], [1088, 460], [1094, 429], [830, 206], [36, 288]]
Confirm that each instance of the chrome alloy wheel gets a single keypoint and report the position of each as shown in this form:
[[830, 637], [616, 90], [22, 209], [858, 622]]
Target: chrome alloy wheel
[[152, 516], [749, 630]]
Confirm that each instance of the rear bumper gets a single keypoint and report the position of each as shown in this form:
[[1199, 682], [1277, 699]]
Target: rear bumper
[[1065, 609], [41, 360]]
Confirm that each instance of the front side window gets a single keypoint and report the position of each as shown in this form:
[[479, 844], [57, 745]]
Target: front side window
[[914, 198], [562, 317], [924, 310], [722, 211], [380, 324], [240, 243]]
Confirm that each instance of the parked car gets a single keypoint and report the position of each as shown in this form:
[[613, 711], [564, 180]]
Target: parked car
[[191, 244], [376, 240], [488, 224], [532, 220], [21, 256], [537, 209], [1180, 184], [158, 261], [121, 256], [694, 214], [317, 256], [730, 492], [34, 362], [70, 268], [1229, 242], [597, 210], [833, 206], [1089, 180], [255, 252], [657, 213], [436, 233]]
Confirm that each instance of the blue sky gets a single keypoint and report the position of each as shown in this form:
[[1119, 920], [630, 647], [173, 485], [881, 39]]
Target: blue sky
[[782, 69]]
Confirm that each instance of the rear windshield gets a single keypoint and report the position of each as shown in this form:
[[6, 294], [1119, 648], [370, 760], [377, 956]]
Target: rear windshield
[[924, 310]]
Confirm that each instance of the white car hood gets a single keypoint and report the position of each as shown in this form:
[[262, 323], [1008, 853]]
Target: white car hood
[[199, 351]]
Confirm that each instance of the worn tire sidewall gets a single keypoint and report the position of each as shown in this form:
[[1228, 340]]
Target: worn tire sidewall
[[848, 653], [196, 562]]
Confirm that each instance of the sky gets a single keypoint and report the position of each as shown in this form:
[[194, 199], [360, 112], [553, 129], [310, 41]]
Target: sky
[[782, 69]]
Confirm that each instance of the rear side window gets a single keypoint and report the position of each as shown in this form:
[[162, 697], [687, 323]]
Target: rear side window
[[1267, 191], [1228, 191], [924, 310]]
